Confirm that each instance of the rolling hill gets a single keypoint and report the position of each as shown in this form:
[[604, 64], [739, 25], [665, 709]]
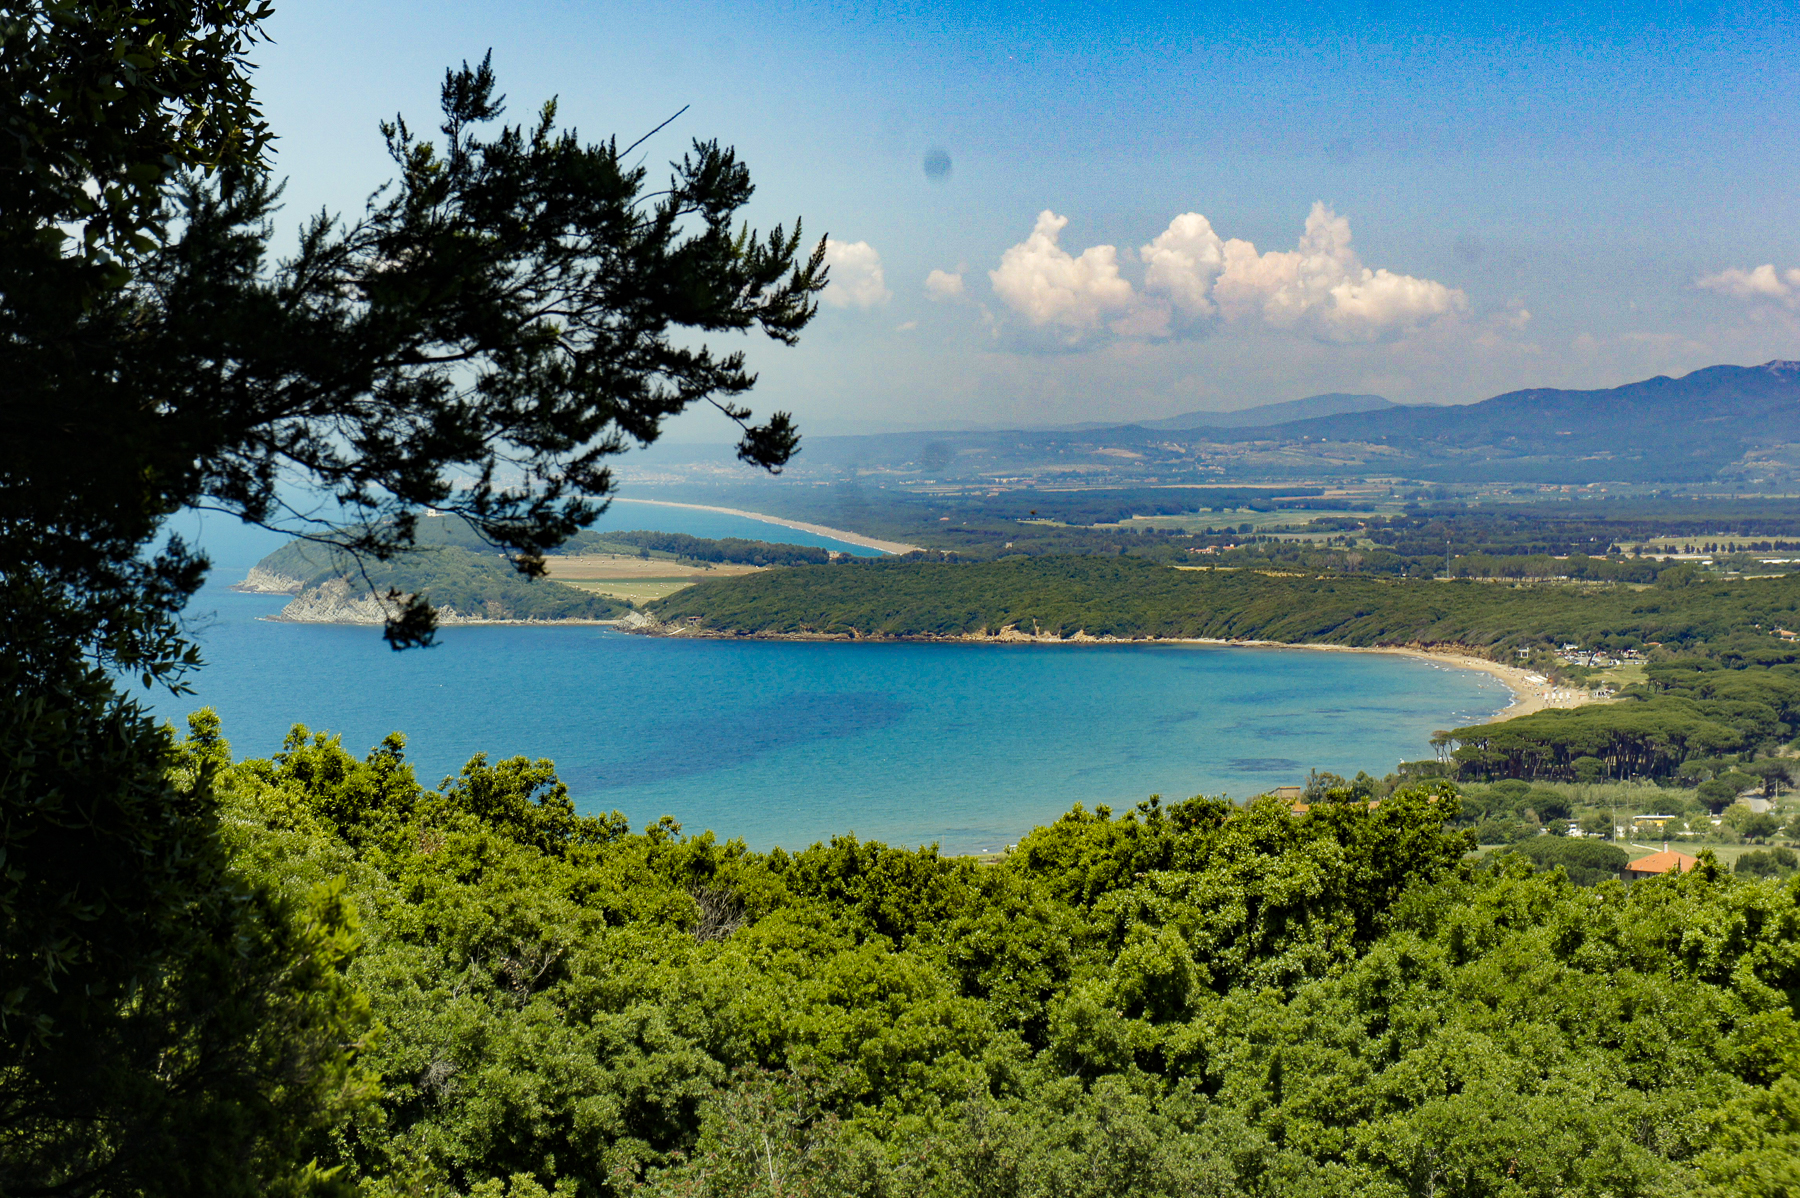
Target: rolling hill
[[1333, 404], [1692, 428], [1736, 424]]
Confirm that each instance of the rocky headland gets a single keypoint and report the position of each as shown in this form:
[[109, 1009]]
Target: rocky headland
[[336, 601], [263, 581]]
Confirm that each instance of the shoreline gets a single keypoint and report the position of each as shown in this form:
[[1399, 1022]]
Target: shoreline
[[1527, 696], [454, 622], [836, 534]]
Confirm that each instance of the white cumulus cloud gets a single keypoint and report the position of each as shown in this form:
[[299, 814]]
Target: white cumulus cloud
[[1043, 282], [856, 278], [1192, 275], [1762, 283], [944, 287], [1182, 263], [1324, 285]]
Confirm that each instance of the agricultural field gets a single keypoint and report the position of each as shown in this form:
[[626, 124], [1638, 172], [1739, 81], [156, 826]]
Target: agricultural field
[[1627, 673], [1259, 521], [637, 578]]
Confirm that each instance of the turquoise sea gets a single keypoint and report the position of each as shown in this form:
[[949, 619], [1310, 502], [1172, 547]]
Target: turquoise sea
[[787, 743]]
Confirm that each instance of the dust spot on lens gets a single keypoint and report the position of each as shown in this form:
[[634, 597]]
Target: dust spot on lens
[[937, 165]]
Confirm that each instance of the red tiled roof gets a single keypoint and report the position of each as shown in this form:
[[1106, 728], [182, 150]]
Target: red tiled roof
[[1662, 863]]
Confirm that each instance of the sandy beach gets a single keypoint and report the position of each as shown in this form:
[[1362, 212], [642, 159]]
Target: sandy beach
[[1528, 695], [1531, 691], [836, 534]]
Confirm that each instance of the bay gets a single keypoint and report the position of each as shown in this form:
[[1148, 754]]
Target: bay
[[786, 743]]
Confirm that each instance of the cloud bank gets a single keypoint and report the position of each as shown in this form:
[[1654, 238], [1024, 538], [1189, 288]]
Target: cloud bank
[[1762, 283], [1193, 279], [856, 278]]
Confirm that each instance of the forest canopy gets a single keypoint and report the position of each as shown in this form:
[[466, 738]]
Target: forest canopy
[[1182, 998], [1129, 598]]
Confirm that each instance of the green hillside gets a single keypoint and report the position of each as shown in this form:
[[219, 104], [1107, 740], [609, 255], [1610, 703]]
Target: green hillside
[[1128, 597], [474, 584], [455, 568]]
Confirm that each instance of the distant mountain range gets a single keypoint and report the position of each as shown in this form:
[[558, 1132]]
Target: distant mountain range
[[1263, 415], [1722, 423], [1693, 428], [1335, 403]]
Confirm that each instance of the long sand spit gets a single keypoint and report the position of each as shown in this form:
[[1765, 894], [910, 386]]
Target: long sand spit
[[836, 534]]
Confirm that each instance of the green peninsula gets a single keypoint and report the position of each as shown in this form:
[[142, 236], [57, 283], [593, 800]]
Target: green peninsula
[[465, 585], [468, 580], [1131, 598]]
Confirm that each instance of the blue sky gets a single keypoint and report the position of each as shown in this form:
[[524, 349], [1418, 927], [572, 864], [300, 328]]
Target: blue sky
[[1429, 203]]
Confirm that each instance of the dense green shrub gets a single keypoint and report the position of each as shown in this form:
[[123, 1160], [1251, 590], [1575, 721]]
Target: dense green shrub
[[1768, 863], [1585, 861], [173, 1027], [1186, 998]]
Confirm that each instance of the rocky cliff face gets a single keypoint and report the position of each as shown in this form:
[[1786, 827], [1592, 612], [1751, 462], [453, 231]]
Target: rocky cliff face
[[337, 602], [333, 603], [267, 582]]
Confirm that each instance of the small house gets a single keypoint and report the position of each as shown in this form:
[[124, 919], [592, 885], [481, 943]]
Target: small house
[[1659, 863]]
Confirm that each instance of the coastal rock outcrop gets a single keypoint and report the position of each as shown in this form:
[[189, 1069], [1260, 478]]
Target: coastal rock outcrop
[[332, 602], [261, 581], [647, 624], [337, 601]]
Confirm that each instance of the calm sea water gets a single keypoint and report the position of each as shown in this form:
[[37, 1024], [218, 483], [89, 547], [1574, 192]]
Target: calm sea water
[[787, 743]]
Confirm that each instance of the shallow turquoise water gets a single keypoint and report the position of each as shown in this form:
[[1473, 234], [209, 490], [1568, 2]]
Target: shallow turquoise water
[[786, 743]]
